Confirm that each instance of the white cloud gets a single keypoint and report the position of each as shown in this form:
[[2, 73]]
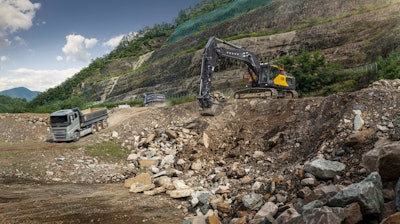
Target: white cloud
[[3, 58], [59, 58], [38, 80], [89, 43], [76, 47], [15, 15], [20, 40], [113, 42], [41, 23], [4, 42]]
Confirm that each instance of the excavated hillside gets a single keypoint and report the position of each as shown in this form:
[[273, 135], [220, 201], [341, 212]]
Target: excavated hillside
[[354, 32], [254, 153]]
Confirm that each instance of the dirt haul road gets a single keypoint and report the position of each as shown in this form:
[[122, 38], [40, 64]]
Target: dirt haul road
[[27, 197], [30, 202]]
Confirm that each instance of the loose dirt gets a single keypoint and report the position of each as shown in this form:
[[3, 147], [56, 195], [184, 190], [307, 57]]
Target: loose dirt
[[26, 200], [30, 202], [44, 182]]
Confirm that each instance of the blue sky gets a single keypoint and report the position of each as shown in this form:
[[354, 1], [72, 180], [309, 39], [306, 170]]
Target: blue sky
[[43, 42]]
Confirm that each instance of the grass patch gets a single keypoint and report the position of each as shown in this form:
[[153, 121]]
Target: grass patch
[[176, 101], [107, 151], [8, 154], [110, 105], [345, 86]]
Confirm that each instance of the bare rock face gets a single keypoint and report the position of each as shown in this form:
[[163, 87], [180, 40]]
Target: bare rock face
[[284, 15]]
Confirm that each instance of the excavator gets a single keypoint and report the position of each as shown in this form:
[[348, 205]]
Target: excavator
[[262, 79]]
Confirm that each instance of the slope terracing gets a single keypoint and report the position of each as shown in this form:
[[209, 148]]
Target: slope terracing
[[354, 32]]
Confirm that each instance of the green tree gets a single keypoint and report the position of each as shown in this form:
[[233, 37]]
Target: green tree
[[389, 68], [12, 105], [311, 70], [64, 91]]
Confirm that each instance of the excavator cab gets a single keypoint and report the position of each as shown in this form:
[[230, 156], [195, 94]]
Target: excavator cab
[[276, 77]]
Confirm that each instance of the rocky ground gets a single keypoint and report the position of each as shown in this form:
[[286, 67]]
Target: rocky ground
[[312, 160]]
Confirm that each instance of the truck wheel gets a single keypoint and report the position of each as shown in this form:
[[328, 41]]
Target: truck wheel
[[77, 136], [104, 124], [98, 126], [93, 128]]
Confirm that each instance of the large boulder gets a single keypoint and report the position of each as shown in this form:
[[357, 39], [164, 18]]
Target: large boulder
[[324, 169], [353, 214], [393, 219], [289, 216], [324, 215], [143, 179], [253, 201], [384, 158], [368, 194], [269, 208]]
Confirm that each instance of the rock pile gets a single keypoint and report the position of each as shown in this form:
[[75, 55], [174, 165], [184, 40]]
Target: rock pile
[[318, 201], [314, 160], [330, 160], [32, 127]]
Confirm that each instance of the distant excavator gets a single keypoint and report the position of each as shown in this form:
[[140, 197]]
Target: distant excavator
[[262, 80]]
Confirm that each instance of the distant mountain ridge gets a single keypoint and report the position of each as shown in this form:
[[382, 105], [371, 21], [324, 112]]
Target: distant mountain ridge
[[20, 92]]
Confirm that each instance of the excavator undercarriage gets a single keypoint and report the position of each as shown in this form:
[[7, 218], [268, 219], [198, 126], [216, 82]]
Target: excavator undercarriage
[[265, 93]]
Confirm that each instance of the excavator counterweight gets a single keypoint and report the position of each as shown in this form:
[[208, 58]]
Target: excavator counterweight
[[262, 80]]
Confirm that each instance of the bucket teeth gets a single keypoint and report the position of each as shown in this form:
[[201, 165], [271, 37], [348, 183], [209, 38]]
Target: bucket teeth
[[218, 102]]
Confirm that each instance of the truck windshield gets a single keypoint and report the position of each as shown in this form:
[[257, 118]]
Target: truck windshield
[[58, 119]]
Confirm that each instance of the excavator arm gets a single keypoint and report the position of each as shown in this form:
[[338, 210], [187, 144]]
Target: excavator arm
[[210, 58]]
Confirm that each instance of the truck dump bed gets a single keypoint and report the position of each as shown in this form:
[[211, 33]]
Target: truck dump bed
[[93, 115], [154, 100]]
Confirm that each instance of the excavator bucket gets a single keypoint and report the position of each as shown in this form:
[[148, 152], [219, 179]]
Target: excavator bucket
[[215, 103], [214, 110]]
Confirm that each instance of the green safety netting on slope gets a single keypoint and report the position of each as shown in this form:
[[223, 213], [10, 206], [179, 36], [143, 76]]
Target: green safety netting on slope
[[236, 8]]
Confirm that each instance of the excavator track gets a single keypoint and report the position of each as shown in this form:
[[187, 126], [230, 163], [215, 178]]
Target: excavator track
[[291, 94], [265, 93], [256, 93]]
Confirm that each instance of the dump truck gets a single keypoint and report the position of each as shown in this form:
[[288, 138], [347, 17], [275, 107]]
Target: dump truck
[[72, 124], [154, 100]]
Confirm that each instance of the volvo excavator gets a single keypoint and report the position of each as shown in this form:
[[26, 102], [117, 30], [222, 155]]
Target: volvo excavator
[[262, 80]]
